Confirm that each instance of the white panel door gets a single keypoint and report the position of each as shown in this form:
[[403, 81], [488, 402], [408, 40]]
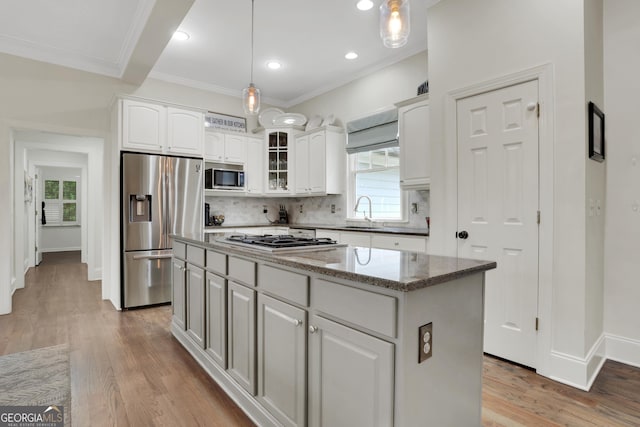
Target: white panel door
[[497, 211]]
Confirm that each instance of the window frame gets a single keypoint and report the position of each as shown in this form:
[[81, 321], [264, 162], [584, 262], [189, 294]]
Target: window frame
[[352, 171], [61, 201]]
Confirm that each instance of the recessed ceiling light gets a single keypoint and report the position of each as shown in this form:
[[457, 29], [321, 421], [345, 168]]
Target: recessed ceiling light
[[180, 36], [351, 55], [364, 4], [274, 65]]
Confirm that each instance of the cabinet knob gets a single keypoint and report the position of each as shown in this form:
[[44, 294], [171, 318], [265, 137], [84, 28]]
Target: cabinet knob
[[297, 322], [313, 329]]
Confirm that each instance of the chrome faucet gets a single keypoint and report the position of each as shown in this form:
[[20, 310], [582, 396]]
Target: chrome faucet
[[358, 204]]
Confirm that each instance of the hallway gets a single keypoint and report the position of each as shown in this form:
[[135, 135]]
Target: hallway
[[127, 369]]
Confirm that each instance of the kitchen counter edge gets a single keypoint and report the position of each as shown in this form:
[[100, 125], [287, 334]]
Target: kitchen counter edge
[[450, 268]]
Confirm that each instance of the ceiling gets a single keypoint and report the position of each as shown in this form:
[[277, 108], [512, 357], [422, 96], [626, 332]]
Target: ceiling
[[128, 39]]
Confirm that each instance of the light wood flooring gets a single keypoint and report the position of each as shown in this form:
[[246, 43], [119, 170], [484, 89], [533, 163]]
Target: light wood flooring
[[127, 369]]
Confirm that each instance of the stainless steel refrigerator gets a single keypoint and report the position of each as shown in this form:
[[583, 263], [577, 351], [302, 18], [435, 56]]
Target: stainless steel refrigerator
[[160, 195]]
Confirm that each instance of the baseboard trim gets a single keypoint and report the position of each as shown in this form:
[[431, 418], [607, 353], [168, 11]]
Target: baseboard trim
[[623, 350], [576, 371], [60, 249]]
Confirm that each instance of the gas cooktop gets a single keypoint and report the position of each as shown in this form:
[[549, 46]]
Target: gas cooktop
[[283, 243]]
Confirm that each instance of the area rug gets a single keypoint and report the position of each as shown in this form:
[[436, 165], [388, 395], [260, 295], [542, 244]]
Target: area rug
[[37, 377]]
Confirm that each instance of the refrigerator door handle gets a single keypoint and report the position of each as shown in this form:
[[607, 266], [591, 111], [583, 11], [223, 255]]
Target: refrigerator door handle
[[166, 202], [137, 257]]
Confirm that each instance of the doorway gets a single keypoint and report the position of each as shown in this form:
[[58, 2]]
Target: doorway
[[498, 211]]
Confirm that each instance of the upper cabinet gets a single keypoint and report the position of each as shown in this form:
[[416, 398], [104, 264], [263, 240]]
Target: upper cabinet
[[185, 129], [143, 125], [225, 148], [147, 126], [254, 176], [280, 152], [320, 160], [415, 162]]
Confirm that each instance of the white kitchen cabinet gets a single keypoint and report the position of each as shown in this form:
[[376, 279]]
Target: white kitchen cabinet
[[178, 292], [143, 126], [397, 242], [225, 148], [377, 240], [185, 130], [147, 126], [280, 156], [282, 355], [216, 318], [196, 304], [254, 168], [241, 333], [355, 238], [319, 162], [350, 377], [328, 234], [415, 162]]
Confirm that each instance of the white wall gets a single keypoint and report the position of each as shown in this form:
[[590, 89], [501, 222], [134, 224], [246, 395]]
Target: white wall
[[471, 42], [381, 88], [63, 238], [622, 248]]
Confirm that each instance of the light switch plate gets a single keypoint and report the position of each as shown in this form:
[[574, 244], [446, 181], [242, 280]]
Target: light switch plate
[[425, 342]]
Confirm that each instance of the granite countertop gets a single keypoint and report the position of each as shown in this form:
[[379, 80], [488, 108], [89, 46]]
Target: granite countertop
[[339, 227], [398, 270]]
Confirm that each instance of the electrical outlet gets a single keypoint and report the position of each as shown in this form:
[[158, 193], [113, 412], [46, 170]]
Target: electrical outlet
[[300, 209], [333, 208], [425, 342]]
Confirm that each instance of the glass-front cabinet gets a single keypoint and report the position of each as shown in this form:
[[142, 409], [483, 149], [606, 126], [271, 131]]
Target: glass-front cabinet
[[278, 156]]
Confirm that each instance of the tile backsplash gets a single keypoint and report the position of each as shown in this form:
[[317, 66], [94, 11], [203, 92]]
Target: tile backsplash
[[305, 210]]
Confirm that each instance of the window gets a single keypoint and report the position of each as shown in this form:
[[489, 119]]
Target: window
[[376, 174], [60, 199]]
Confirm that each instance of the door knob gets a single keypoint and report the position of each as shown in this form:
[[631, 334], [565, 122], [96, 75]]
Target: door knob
[[463, 235], [313, 329]]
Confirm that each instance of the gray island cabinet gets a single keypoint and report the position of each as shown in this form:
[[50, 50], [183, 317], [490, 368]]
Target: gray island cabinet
[[340, 337]]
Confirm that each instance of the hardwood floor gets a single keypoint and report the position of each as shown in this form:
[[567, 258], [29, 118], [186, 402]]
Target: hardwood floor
[[127, 369]]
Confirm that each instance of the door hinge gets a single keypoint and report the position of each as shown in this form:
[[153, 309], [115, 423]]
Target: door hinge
[[538, 108], [537, 323], [538, 217]]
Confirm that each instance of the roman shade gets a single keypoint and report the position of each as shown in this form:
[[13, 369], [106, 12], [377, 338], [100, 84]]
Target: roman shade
[[373, 132]]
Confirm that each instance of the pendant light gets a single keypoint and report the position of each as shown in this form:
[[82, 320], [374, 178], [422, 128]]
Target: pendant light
[[251, 94], [394, 22]]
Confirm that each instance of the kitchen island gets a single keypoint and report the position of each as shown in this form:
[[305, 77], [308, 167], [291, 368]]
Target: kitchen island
[[346, 336]]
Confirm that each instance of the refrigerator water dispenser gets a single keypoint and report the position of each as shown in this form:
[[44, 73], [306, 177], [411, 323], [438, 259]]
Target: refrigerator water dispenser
[[140, 208]]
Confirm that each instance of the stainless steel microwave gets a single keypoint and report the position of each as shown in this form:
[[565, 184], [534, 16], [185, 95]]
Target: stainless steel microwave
[[223, 179]]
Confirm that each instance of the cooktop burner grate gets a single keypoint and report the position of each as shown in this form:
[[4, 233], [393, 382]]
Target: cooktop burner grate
[[282, 241]]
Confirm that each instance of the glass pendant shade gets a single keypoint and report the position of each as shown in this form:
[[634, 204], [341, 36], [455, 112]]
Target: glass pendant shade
[[394, 22], [251, 99]]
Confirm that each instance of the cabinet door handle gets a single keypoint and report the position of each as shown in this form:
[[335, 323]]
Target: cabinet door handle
[[297, 322], [313, 329]]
